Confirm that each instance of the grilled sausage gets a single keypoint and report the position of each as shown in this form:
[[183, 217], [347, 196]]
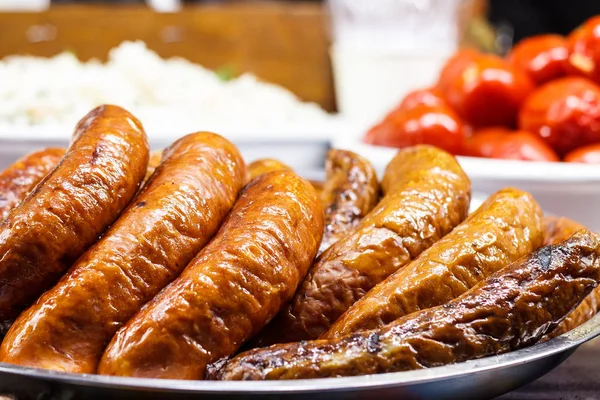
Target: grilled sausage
[[511, 309], [230, 290], [559, 229], [167, 224], [506, 227], [350, 192], [18, 180], [153, 163], [263, 166], [426, 194], [65, 214]]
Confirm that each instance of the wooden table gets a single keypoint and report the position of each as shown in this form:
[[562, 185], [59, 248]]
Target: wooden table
[[578, 378]]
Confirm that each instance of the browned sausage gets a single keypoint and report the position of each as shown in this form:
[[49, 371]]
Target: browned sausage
[[426, 195], [511, 309], [71, 207], [506, 227], [18, 180], [559, 229], [153, 163], [230, 290], [350, 192], [167, 224], [263, 166]]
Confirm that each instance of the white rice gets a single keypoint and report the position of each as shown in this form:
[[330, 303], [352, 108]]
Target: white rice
[[58, 91]]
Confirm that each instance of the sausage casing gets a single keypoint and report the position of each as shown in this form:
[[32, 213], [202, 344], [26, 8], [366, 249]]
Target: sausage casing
[[230, 290], [177, 212], [511, 309], [557, 230], [507, 226], [265, 165], [153, 163], [65, 214], [19, 179], [426, 194], [350, 192]]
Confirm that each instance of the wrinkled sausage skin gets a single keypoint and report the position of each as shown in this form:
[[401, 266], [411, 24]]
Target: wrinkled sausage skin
[[167, 224], [263, 166], [506, 227], [232, 288], [350, 192], [18, 180], [71, 207], [511, 309], [426, 194], [557, 230]]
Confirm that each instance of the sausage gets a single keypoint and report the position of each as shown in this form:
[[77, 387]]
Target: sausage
[[509, 310], [232, 288], [97, 178], [426, 194], [263, 166], [153, 163], [18, 180], [167, 224], [350, 192], [506, 227], [559, 229]]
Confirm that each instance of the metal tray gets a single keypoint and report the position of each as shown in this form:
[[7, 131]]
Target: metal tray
[[478, 379]]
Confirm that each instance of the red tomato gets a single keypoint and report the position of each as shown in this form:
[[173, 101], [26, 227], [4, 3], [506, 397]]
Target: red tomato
[[523, 146], [428, 96], [485, 90], [543, 57], [587, 155], [584, 50], [483, 143], [565, 113], [434, 125]]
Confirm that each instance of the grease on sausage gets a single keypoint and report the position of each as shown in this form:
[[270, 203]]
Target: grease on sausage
[[19, 179], [511, 309], [350, 192], [507, 226], [177, 212], [71, 207], [426, 194], [230, 290]]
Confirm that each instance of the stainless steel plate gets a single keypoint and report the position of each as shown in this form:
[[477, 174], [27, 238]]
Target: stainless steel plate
[[478, 379]]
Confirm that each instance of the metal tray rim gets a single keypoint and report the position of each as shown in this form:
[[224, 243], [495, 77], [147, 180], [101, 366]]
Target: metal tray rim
[[567, 342]]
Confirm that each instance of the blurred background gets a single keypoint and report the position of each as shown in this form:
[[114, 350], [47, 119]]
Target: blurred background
[[357, 57], [294, 78]]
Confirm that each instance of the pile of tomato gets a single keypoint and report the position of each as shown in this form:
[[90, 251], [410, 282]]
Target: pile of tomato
[[540, 103]]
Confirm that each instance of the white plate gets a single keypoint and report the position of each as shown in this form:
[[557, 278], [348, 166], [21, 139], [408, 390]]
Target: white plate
[[570, 190]]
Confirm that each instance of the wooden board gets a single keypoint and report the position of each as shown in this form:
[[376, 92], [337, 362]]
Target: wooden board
[[283, 43]]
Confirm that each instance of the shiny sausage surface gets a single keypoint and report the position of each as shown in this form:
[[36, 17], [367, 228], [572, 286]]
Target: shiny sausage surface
[[557, 230], [350, 192], [177, 212], [19, 179], [511, 309], [66, 213], [230, 290], [506, 227], [263, 166], [426, 194]]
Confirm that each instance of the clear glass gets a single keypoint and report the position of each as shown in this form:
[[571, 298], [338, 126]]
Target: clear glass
[[398, 25]]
